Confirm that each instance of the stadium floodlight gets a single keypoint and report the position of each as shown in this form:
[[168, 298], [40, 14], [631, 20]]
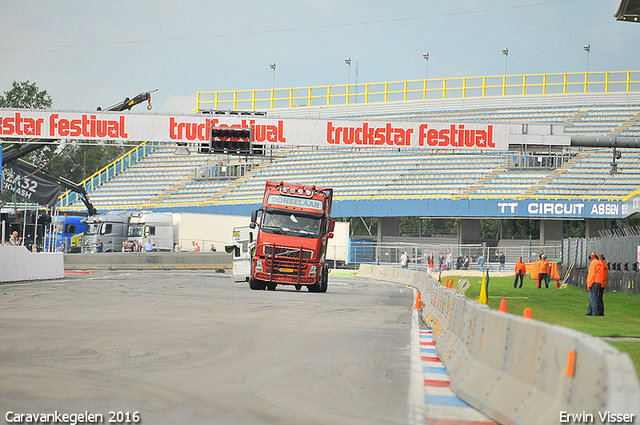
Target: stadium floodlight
[[587, 48], [505, 52], [272, 65], [426, 58], [348, 62]]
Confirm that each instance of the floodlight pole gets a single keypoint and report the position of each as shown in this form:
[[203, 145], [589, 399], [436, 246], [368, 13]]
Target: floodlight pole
[[587, 48], [272, 65], [505, 52]]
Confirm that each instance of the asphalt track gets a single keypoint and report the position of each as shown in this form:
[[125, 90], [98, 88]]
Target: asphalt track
[[194, 347]]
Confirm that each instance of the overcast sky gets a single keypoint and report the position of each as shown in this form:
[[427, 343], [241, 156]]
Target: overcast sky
[[89, 53]]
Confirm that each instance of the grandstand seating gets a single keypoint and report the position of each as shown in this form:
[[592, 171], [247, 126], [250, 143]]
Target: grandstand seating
[[164, 178]]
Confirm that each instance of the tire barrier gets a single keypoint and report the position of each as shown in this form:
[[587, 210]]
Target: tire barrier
[[17, 264], [522, 371]]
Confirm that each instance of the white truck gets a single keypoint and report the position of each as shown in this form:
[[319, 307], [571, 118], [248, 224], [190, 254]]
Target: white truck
[[157, 227]]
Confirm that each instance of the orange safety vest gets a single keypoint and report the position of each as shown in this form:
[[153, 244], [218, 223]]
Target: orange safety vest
[[521, 267], [602, 271], [591, 276], [606, 274], [544, 266]]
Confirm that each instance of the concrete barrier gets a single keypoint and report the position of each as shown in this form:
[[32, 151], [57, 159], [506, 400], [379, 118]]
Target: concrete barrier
[[148, 261], [19, 264], [516, 370]]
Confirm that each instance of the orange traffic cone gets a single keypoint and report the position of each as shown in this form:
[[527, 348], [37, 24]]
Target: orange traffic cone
[[527, 313], [418, 301], [503, 305]]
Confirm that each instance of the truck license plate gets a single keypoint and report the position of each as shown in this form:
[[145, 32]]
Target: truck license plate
[[285, 270]]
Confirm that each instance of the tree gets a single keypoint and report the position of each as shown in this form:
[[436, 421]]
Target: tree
[[25, 95], [76, 162]]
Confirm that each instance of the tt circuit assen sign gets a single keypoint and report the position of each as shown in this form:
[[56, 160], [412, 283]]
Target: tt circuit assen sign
[[15, 123], [559, 209]]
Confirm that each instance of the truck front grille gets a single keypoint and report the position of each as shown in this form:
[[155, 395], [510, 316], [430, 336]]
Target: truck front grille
[[287, 252]]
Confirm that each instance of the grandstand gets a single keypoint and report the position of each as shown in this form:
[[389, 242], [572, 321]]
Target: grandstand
[[160, 178]]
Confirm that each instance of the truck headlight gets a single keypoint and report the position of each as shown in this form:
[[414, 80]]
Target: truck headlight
[[258, 265], [312, 270]]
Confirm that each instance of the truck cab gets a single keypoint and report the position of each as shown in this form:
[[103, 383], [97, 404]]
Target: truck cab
[[158, 227], [110, 229], [293, 232], [68, 231]]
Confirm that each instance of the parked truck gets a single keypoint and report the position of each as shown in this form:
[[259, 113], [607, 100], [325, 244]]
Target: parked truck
[[67, 233], [293, 232], [147, 225], [110, 229]]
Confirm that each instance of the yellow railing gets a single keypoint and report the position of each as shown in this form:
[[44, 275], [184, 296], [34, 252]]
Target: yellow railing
[[106, 173], [445, 88]]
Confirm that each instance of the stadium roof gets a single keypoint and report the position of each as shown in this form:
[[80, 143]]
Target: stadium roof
[[628, 10]]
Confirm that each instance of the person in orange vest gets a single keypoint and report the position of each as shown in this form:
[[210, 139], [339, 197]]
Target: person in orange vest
[[543, 272], [601, 277], [521, 270], [592, 285]]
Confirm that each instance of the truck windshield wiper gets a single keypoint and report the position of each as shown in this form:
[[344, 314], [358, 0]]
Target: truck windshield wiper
[[273, 229]]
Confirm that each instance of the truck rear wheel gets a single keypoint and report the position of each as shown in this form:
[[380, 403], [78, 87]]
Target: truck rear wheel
[[256, 284]]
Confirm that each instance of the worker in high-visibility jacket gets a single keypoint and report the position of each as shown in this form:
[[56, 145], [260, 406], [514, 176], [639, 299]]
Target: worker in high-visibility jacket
[[543, 271], [521, 270], [592, 285], [602, 272]]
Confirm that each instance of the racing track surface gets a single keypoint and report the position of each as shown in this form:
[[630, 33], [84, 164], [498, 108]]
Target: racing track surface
[[195, 347]]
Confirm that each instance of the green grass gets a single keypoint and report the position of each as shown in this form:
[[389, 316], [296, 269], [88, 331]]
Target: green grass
[[566, 307]]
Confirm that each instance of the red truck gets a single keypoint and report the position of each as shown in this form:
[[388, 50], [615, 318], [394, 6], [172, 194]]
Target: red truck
[[295, 227]]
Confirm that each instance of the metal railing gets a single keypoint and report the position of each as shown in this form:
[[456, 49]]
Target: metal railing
[[441, 88], [95, 180]]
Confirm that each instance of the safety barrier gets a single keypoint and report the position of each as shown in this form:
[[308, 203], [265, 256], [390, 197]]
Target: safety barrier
[[17, 264], [148, 261], [521, 371]]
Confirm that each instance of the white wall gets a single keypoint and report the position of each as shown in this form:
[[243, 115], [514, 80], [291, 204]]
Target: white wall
[[206, 229]]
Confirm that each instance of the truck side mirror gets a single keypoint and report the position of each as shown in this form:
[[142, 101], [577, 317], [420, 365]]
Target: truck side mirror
[[333, 226], [254, 219], [330, 235]]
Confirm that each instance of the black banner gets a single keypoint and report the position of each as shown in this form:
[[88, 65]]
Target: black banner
[[35, 188]]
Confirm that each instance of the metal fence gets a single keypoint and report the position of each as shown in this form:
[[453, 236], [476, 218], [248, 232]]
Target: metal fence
[[619, 247], [368, 251]]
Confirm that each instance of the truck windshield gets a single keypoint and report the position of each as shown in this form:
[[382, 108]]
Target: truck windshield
[[92, 229], [297, 224], [135, 230], [58, 228]]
